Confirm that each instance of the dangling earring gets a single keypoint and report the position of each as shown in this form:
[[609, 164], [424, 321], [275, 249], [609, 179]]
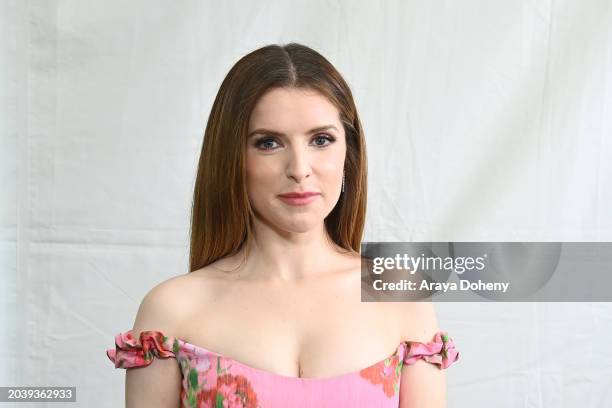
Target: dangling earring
[[343, 181]]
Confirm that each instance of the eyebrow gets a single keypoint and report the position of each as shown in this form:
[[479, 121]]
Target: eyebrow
[[275, 133]]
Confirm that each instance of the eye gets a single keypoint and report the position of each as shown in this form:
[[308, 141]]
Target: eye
[[267, 142], [264, 143], [324, 137]]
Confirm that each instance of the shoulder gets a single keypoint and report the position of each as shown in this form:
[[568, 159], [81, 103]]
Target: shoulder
[[417, 321], [160, 308], [165, 306]]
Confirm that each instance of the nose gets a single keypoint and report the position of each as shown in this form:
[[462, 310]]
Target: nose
[[298, 167]]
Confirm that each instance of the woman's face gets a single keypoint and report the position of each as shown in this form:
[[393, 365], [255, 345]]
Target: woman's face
[[285, 155]]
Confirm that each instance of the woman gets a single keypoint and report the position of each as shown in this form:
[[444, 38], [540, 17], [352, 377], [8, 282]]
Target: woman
[[270, 314]]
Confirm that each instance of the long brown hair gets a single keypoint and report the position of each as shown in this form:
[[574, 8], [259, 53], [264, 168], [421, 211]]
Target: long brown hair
[[221, 218]]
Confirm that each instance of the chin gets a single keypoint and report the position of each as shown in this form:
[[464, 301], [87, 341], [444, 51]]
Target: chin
[[300, 227], [300, 224]]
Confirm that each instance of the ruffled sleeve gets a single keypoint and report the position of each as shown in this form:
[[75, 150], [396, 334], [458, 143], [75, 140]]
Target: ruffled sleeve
[[130, 352], [440, 351]]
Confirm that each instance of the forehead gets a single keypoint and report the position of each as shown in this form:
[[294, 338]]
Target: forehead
[[293, 109]]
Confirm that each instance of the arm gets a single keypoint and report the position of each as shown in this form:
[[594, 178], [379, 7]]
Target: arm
[[157, 385], [422, 384]]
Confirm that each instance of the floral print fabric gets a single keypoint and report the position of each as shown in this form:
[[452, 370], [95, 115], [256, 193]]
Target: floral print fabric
[[210, 379]]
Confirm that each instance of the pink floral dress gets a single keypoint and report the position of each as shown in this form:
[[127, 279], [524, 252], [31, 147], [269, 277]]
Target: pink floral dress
[[210, 379]]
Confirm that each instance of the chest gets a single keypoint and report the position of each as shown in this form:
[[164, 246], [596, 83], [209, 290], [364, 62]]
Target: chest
[[315, 331]]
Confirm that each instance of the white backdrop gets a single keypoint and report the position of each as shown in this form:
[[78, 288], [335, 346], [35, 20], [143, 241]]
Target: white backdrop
[[485, 121]]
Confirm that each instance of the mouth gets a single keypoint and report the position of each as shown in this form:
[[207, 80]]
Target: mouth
[[299, 195], [297, 199]]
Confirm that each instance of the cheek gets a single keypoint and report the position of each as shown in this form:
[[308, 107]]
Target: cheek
[[260, 175], [331, 167], [332, 164]]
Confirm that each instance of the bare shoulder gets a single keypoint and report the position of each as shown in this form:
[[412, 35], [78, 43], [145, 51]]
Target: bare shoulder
[[418, 321], [161, 309], [168, 304]]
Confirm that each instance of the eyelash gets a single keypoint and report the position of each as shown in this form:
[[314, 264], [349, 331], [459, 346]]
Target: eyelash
[[325, 136]]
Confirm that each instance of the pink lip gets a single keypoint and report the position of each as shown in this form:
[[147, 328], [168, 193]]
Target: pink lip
[[299, 195], [299, 199]]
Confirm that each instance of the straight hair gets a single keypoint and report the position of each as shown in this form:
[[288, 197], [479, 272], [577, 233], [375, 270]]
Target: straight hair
[[221, 216]]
